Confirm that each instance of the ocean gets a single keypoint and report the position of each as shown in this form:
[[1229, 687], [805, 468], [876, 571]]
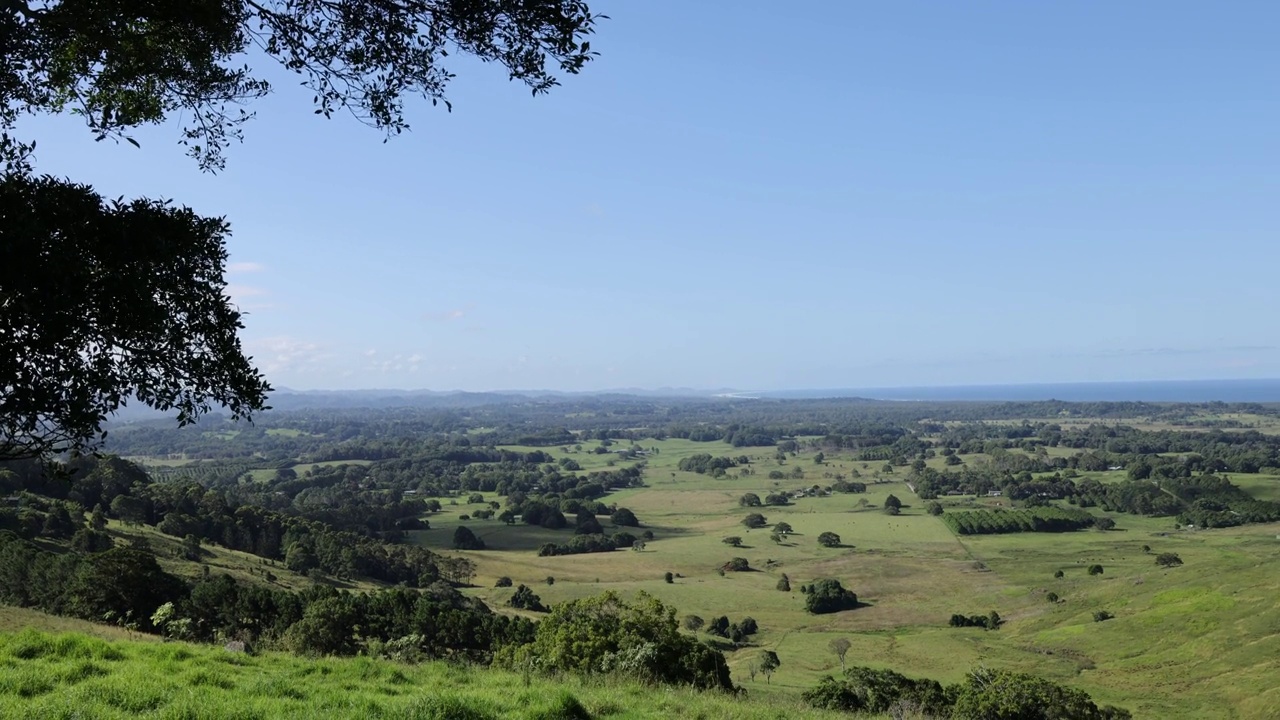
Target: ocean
[[1260, 391]]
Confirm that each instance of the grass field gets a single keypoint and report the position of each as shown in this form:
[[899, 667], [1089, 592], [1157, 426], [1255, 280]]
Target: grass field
[[45, 676], [242, 566], [1199, 640]]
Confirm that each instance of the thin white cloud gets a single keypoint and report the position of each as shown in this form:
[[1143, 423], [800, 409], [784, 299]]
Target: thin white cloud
[[285, 354], [243, 291], [245, 267], [446, 316]]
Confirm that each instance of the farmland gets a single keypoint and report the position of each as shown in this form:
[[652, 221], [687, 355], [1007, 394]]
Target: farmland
[[1174, 632], [940, 527]]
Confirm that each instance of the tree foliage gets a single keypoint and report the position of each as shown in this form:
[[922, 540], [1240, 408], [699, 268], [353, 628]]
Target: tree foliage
[[103, 302], [106, 301], [122, 64], [828, 595], [605, 633], [465, 539]]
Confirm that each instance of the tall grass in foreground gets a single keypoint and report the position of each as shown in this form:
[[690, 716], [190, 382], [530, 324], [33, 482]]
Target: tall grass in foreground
[[46, 676]]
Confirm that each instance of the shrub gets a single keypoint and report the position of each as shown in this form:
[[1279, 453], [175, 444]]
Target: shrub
[[503, 581], [525, 599], [989, 694], [990, 621], [829, 539], [1059, 574], [784, 583], [1052, 597], [755, 520], [719, 626], [828, 596], [1095, 569], [736, 565], [1101, 615], [669, 578], [1168, 559], [464, 539], [605, 633], [865, 690], [625, 518]]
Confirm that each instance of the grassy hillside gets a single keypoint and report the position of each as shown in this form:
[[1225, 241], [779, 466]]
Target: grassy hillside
[[45, 675], [1201, 640]]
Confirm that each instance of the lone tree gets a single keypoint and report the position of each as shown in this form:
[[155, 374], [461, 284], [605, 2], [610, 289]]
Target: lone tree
[[1168, 559], [783, 528], [525, 598], [840, 646], [829, 539], [733, 540], [106, 302], [464, 539], [755, 520], [769, 662], [828, 596], [623, 517]]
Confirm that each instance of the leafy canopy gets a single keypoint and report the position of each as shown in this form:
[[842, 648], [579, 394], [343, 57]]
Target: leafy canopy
[[120, 64], [103, 300]]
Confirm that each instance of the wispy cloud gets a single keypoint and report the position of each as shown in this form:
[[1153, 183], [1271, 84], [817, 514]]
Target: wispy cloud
[[243, 291], [286, 354], [245, 267], [447, 315], [396, 363]]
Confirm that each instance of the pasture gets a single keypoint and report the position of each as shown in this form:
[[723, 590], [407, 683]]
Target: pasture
[[1175, 635], [75, 676]]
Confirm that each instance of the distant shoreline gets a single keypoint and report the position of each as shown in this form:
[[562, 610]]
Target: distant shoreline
[[1232, 391]]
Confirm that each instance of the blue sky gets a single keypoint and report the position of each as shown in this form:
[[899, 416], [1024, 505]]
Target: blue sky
[[761, 195]]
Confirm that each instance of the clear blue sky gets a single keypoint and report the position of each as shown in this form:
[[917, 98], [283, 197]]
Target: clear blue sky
[[767, 195]]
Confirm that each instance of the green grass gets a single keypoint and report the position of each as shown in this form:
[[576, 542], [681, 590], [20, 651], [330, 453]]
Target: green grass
[[219, 560], [1196, 641], [46, 675]]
